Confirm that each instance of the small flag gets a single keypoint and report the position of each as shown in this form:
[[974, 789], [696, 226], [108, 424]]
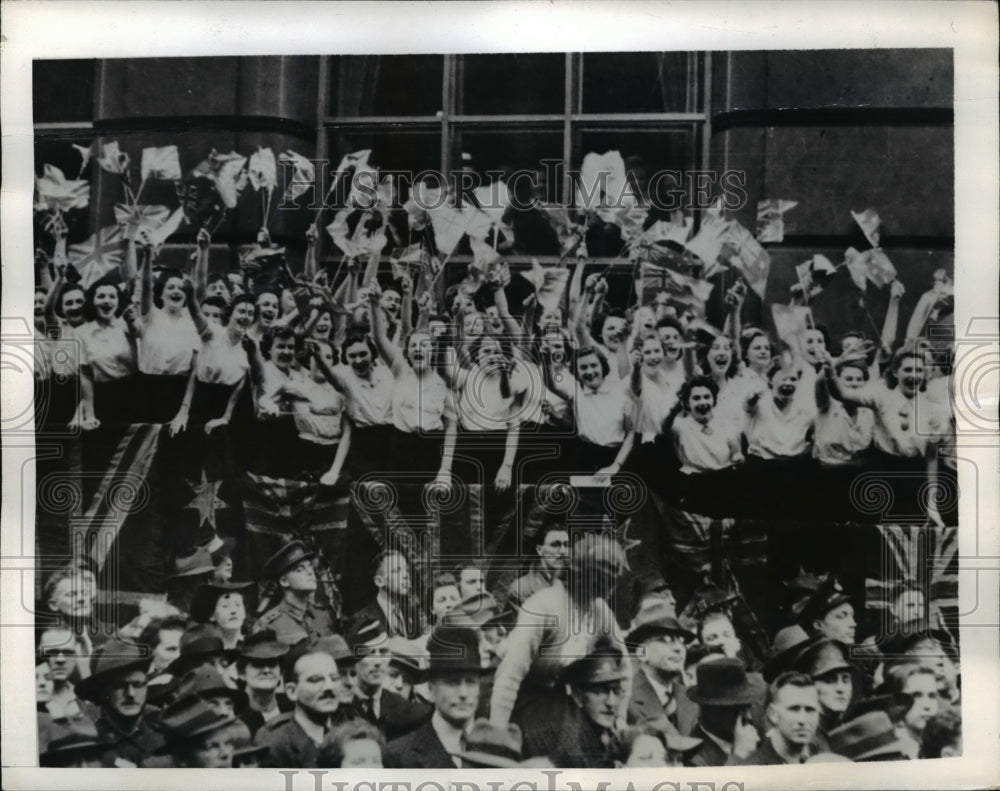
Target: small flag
[[707, 243], [770, 219], [549, 282], [790, 323], [361, 242], [262, 170], [113, 160], [227, 172], [98, 255], [57, 193], [160, 163], [814, 274], [854, 261], [132, 218], [677, 229], [303, 174], [165, 229], [688, 291], [483, 254], [752, 260], [603, 182], [870, 224], [86, 152]]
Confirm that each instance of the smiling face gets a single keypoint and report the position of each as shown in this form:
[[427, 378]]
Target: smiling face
[[494, 320], [785, 382], [652, 353], [590, 371], [910, 372], [174, 295], [613, 332], [665, 653], [212, 313], [720, 355], [72, 304], [242, 315], [851, 377], [230, 612], [359, 357], [390, 302], [671, 339], [490, 354], [418, 350], [815, 346], [217, 288], [473, 325], [106, 301], [267, 304], [701, 402], [323, 326]]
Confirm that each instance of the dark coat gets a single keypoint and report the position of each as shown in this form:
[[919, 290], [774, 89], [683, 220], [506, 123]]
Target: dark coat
[[644, 705], [397, 716], [709, 753], [288, 744], [408, 609], [133, 746], [421, 749], [580, 745]]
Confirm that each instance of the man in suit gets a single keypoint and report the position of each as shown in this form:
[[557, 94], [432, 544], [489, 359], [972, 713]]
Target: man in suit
[[392, 714], [453, 680], [725, 696], [312, 682], [659, 643], [392, 606]]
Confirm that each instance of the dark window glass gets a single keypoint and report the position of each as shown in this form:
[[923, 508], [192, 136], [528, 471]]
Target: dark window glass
[[512, 84], [636, 82], [362, 85], [62, 90]]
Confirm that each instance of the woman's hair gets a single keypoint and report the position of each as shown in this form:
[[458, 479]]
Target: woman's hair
[[504, 350], [852, 362], [902, 353], [161, 281], [706, 351], [587, 351], [597, 325], [89, 311], [222, 278], [246, 296], [684, 396], [331, 752], [638, 342], [355, 338], [66, 289], [282, 333], [670, 321], [896, 676], [748, 336], [216, 302]]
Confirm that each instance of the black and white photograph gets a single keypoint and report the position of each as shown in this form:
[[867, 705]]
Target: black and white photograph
[[571, 408]]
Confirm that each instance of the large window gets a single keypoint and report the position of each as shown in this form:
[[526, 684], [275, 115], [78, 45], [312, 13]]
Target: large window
[[499, 114]]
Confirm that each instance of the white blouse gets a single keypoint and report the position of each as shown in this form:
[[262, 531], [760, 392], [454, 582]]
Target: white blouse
[[167, 344], [107, 350], [220, 361]]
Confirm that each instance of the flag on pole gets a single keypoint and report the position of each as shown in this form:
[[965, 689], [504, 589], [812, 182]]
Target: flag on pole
[[814, 274], [707, 243], [549, 282], [57, 193], [114, 160], [752, 260], [303, 174], [677, 229], [790, 323], [98, 255], [165, 229], [687, 291], [262, 170], [160, 163], [133, 217], [770, 219]]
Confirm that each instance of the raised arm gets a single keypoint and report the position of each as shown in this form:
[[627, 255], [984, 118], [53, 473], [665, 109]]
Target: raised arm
[[146, 283], [204, 241], [512, 325], [406, 310], [891, 325], [331, 375], [52, 299], [862, 397], [202, 326], [309, 262], [387, 350], [579, 318]]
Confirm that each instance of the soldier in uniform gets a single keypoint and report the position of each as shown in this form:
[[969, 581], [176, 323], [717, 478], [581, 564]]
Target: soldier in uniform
[[313, 684], [295, 618], [117, 683]]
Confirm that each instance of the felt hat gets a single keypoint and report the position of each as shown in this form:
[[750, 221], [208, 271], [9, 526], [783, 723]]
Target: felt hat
[[364, 632], [291, 554], [115, 659], [654, 620], [193, 562], [262, 645], [830, 594], [70, 738], [723, 682], [198, 642], [453, 649], [788, 645], [337, 647], [866, 737], [207, 682], [186, 719], [493, 746], [822, 657], [208, 594]]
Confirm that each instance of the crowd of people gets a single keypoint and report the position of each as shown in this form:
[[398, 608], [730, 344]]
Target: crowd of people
[[298, 389]]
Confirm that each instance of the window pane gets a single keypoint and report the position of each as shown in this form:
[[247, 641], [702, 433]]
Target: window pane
[[523, 152], [513, 84], [62, 90], [363, 85], [635, 82]]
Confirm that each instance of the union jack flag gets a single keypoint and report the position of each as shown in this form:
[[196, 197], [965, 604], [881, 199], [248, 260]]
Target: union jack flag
[[97, 256]]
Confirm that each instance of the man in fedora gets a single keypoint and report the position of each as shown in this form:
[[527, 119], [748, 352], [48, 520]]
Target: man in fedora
[[296, 617], [392, 714], [258, 666], [200, 645], [793, 716], [117, 684], [312, 683], [597, 684], [659, 643], [453, 680], [725, 696], [195, 735]]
